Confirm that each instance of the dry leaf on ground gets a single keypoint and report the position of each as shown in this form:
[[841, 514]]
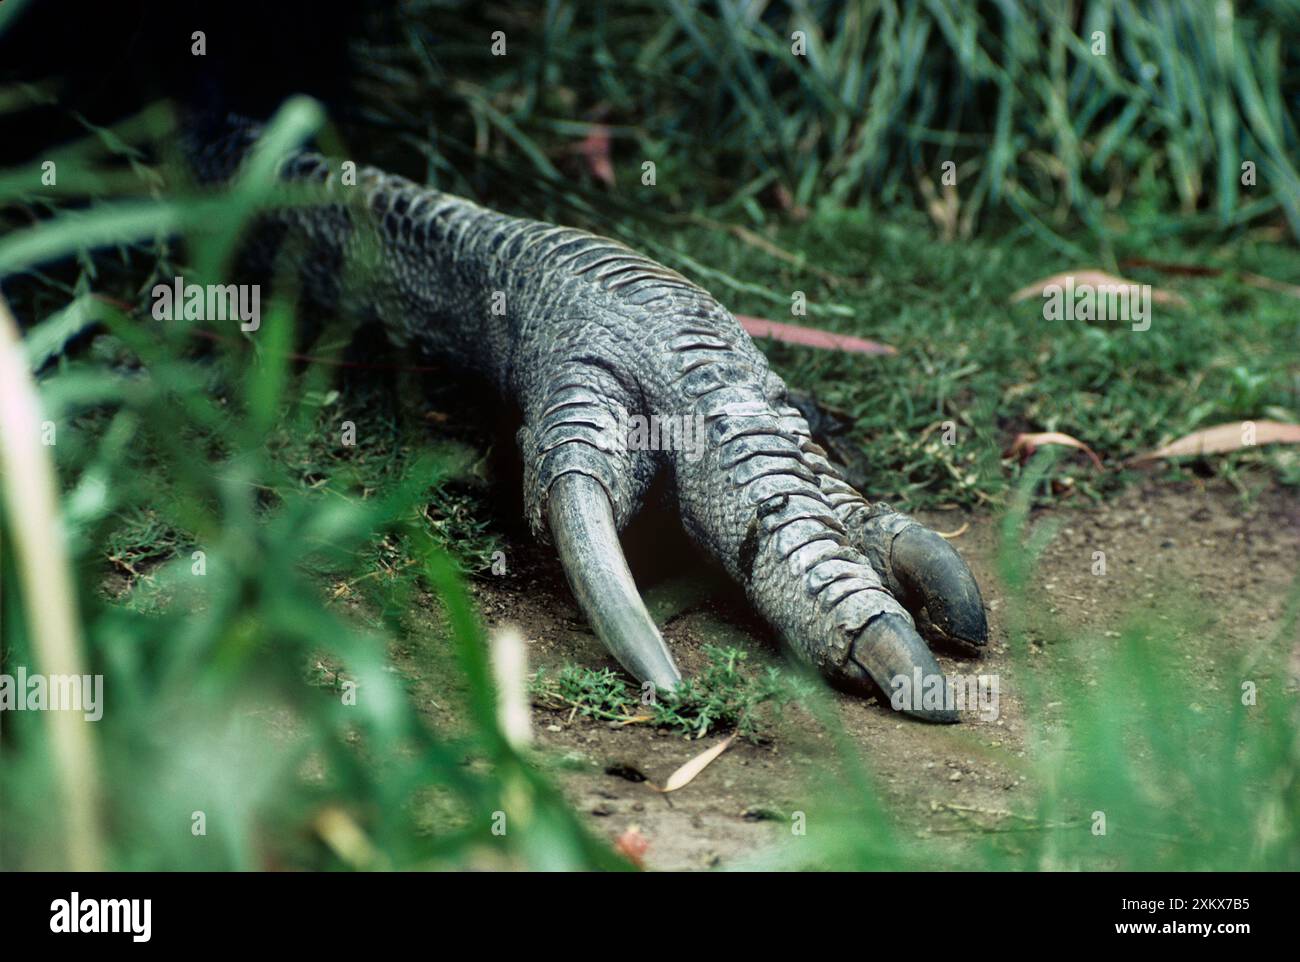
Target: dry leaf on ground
[[811, 336], [1096, 279], [1026, 444], [1223, 438], [686, 774]]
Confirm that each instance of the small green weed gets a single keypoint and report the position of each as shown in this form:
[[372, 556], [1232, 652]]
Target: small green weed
[[725, 696]]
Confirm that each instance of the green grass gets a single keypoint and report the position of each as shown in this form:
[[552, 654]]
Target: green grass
[[966, 355], [1043, 125], [725, 695]]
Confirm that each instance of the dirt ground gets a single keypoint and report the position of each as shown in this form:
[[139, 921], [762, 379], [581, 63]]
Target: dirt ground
[[1162, 543]]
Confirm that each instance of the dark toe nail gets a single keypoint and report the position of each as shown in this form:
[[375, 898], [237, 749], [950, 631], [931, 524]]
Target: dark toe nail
[[890, 651], [933, 575]]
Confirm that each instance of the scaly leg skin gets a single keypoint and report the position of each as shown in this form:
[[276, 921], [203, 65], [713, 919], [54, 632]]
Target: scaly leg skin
[[584, 332]]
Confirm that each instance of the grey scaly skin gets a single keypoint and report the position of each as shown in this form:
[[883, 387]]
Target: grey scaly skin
[[587, 332]]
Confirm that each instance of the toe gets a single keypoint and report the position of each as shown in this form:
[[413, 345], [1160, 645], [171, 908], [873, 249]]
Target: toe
[[928, 577], [890, 653], [938, 588]]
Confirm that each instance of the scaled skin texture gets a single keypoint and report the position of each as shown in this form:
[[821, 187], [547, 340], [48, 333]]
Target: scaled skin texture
[[584, 334]]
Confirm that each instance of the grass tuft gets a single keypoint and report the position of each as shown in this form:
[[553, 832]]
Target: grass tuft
[[724, 696]]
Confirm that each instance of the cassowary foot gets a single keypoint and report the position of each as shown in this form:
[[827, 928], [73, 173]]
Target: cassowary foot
[[582, 333]]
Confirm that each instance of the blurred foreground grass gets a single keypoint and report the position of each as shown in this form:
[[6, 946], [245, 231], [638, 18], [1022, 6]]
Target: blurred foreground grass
[[174, 460]]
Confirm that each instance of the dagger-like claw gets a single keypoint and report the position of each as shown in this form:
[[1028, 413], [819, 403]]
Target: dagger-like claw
[[586, 539]]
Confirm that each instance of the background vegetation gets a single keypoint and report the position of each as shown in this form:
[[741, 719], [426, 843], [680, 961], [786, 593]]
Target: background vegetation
[[775, 173]]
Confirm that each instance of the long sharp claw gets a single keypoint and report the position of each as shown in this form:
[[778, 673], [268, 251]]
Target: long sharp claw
[[890, 651], [586, 539], [933, 575]]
